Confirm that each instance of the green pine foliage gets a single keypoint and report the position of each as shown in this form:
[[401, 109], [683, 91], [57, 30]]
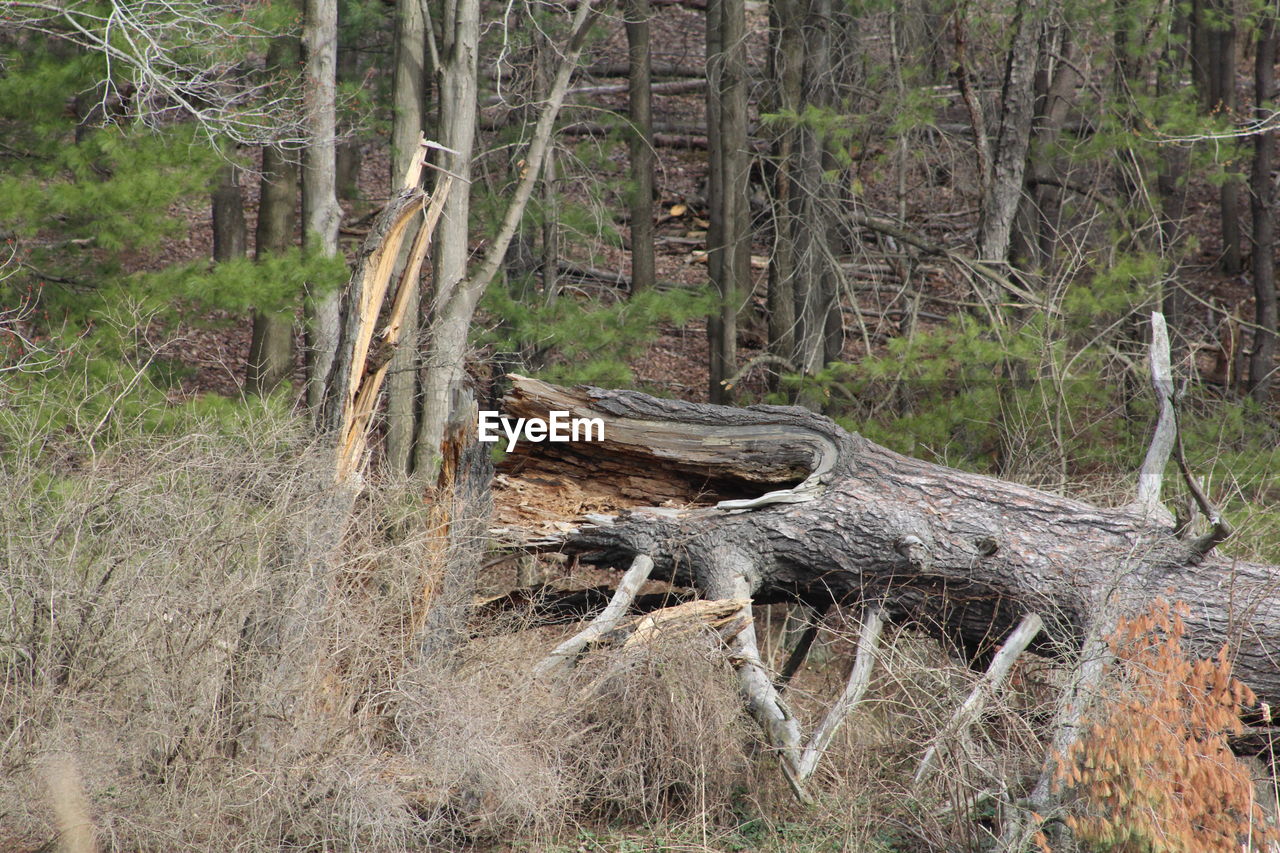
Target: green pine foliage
[[74, 203], [89, 194], [577, 339], [272, 283]]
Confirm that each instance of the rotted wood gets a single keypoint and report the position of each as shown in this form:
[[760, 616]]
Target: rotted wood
[[798, 508]]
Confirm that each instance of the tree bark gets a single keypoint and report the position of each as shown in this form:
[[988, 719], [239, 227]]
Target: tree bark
[[640, 107], [458, 87], [455, 301], [1223, 100], [728, 237], [1262, 359], [321, 215], [1003, 190], [271, 347], [229, 232], [964, 555], [408, 121], [786, 66]]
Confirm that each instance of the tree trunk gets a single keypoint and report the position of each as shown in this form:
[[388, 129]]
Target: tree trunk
[[321, 215], [455, 300], [1003, 191], [728, 237], [408, 121], [786, 67], [447, 342], [1171, 184], [271, 347], [229, 232], [1057, 79], [1262, 359], [815, 287], [963, 555], [347, 153], [640, 107], [1223, 100]]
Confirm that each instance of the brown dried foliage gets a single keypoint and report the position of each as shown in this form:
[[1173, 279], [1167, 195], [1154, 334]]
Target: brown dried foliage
[[1153, 771]]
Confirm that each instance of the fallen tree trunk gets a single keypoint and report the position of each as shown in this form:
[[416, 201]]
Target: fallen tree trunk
[[849, 521]]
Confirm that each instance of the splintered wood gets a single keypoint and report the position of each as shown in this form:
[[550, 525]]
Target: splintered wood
[[642, 462]]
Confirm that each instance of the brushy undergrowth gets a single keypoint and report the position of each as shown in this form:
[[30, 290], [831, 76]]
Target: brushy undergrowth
[[136, 561], [143, 544]]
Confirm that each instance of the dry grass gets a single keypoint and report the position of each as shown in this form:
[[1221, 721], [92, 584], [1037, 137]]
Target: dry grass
[[135, 568], [135, 565]]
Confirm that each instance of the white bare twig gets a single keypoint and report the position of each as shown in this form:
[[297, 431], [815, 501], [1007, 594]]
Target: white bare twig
[[180, 59]]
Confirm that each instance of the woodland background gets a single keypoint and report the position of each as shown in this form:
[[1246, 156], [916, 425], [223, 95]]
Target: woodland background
[[943, 224]]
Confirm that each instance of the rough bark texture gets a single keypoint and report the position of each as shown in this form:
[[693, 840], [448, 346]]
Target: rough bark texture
[[1003, 191], [229, 232], [271, 347], [321, 215], [1262, 360], [963, 554], [639, 104], [409, 110]]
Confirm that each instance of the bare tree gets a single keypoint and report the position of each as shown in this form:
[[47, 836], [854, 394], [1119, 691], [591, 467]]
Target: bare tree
[[321, 215], [271, 345], [415, 65], [457, 293], [1003, 180], [1262, 360], [181, 59], [640, 107], [729, 236]]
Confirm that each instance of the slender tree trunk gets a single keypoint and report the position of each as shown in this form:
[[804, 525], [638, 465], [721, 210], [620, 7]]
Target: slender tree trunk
[[347, 153], [715, 191], [457, 132], [1057, 79], [1003, 192], [321, 215], [271, 347], [730, 247], [550, 263], [408, 121], [1223, 93], [639, 104], [786, 67], [816, 308], [1213, 45], [1171, 179], [1262, 360], [456, 299]]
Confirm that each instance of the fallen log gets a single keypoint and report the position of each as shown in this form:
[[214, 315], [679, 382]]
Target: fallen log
[[776, 502]]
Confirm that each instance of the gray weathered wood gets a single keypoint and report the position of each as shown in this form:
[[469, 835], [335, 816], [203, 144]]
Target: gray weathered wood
[[963, 554]]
